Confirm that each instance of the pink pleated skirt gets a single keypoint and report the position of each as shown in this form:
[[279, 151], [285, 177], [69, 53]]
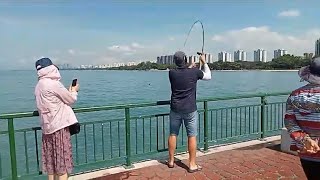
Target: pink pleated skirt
[[57, 152]]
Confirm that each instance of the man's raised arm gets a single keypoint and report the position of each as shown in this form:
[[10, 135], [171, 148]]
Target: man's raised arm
[[205, 68]]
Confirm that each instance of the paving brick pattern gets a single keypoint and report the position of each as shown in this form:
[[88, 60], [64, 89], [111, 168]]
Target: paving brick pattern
[[256, 162]]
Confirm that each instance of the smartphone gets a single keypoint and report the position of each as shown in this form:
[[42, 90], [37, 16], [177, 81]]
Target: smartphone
[[74, 82]]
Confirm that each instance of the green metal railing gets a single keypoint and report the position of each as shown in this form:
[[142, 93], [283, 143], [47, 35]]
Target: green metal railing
[[130, 138]]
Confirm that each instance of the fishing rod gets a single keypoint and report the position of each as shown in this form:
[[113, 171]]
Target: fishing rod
[[185, 42]]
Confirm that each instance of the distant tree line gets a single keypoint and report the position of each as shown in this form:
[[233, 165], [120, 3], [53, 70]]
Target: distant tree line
[[282, 63], [286, 62]]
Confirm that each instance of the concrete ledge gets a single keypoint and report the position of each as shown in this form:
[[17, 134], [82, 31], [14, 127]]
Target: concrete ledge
[[213, 150], [286, 141]]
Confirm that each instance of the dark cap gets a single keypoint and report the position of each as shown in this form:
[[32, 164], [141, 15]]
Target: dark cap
[[315, 66], [42, 63], [180, 58]]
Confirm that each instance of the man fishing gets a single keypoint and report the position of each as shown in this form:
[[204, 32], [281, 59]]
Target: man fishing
[[183, 106]]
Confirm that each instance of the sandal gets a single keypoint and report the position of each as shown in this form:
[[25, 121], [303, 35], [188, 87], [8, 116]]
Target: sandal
[[199, 168], [169, 165]]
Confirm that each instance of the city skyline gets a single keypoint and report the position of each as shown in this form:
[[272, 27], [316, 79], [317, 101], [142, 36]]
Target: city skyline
[[108, 32]]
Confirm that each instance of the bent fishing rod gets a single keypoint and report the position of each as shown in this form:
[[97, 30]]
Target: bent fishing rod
[[185, 42]]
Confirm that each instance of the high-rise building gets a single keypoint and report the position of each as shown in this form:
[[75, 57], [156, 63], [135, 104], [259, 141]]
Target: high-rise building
[[279, 52], [193, 59], [209, 58], [317, 48], [160, 60], [240, 55], [224, 57], [168, 59], [260, 55], [307, 55]]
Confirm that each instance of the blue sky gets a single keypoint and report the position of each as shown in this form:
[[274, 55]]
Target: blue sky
[[102, 32]]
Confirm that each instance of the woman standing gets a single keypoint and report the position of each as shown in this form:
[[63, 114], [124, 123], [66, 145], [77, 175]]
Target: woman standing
[[56, 115], [302, 119]]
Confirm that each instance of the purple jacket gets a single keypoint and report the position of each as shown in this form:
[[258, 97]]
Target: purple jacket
[[54, 101]]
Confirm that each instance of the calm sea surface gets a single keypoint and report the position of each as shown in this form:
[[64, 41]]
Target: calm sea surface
[[118, 87]]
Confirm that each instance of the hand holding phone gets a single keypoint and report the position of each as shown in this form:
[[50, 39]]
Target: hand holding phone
[[74, 86], [74, 82]]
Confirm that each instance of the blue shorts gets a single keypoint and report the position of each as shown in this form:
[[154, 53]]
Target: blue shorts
[[190, 122]]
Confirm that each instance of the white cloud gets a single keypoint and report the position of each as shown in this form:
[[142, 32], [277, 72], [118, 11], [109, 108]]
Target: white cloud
[[126, 49], [252, 38], [289, 13], [74, 52], [136, 45], [121, 48], [217, 38], [71, 51]]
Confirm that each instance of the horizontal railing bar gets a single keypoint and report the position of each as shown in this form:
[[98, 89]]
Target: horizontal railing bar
[[103, 121], [23, 130], [243, 96], [28, 129], [87, 109], [83, 123], [149, 116], [158, 103], [234, 107]]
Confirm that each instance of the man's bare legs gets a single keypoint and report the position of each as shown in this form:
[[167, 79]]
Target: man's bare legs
[[172, 143], [192, 148]]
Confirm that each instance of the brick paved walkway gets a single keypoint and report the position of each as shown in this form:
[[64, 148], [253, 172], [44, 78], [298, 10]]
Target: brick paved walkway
[[255, 162]]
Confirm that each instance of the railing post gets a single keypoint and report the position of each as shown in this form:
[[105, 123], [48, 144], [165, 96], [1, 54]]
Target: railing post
[[263, 117], [128, 139], [12, 144], [206, 130], [0, 167]]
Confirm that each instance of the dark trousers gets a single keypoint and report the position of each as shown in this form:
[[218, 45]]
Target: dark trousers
[[311, 169]]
